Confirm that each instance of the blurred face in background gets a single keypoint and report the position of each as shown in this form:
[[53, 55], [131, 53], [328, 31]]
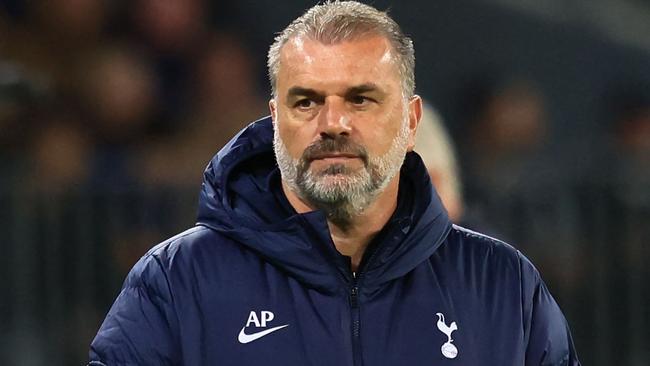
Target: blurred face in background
[[634, 133], [342, 123], [170, 25], [77, 18], [225, 73], [513, 120], [120, 88]]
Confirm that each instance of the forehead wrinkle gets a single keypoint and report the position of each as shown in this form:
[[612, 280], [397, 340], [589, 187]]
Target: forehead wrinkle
[[304, 46], [303, 52]]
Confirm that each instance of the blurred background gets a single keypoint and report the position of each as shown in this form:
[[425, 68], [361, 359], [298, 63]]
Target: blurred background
[[110, 110]]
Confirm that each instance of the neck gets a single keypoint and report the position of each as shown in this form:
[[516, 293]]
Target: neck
[[352, 239]]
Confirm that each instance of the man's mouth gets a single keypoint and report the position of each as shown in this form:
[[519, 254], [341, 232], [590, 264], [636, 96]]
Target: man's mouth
[[334, 157]]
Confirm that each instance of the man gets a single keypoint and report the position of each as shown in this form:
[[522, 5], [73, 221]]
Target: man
[[436, 149], [341, 254]]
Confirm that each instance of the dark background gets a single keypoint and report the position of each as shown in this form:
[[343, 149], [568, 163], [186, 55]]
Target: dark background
[[109, 111]]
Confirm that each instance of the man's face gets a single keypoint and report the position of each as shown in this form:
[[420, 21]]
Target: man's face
[[342, 124]]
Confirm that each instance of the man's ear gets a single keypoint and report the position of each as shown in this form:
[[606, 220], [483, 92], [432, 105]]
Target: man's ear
[[415, 114], [274, 110]]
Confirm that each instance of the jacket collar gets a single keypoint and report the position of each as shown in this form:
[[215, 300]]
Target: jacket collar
[[238, 200]]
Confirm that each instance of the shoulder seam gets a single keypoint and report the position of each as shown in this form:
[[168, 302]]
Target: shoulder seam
[[475, 234], [174, 239]]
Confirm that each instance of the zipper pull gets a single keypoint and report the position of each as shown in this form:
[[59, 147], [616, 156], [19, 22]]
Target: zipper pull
[[354, 294]]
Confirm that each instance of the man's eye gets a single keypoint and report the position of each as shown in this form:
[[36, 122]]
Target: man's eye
[[359, 100], [304, 104]]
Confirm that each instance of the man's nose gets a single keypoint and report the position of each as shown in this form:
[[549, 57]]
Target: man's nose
[[334, 120]]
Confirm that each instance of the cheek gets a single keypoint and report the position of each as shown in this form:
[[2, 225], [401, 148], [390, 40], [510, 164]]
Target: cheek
[[296, 138], [382, 132]]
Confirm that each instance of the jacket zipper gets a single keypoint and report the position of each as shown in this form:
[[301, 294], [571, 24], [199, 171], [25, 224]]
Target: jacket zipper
[[355, 282], [356, 331]]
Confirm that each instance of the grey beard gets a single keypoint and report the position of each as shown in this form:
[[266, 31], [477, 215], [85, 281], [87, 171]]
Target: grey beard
[[340, 192], [343, 200]]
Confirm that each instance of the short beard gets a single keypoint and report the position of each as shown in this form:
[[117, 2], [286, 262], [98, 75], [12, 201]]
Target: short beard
[[342, 193]]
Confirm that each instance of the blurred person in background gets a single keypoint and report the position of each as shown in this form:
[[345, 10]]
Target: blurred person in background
[[436, 148], [630, 111], [50, 38], [118, 91], [510, 177], [172, 34], [438, 152], [170, 26], [60, 152], [18, 99], [223, 78], [321, 239], [505, 134], [119, 88], [77, 93], [625, 196]]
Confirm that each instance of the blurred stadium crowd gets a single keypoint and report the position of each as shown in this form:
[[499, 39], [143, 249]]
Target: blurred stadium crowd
[[110, 110], [115, 95], [107, 109]]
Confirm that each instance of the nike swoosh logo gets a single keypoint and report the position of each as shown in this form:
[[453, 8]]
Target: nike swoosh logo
[[247, 338]]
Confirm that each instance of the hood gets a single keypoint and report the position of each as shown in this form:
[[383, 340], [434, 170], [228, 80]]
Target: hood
[[241, 198]]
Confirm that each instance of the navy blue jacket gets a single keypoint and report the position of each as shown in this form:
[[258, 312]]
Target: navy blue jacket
[[255, 283]]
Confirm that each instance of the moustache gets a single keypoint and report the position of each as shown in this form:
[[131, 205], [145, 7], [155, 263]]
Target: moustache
[[337, 145]]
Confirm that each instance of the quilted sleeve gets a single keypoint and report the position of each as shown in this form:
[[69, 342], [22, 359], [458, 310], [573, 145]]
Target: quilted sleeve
[[141, 327], [548, 338]]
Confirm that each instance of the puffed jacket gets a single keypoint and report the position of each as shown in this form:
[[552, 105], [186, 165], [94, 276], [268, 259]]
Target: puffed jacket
[[255, 283]]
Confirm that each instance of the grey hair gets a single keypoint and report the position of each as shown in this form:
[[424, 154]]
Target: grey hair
[[337, 21]]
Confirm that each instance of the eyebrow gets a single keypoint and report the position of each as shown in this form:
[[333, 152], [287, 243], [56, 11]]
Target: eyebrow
[[364, 88], [312, 93], [300, 91]]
